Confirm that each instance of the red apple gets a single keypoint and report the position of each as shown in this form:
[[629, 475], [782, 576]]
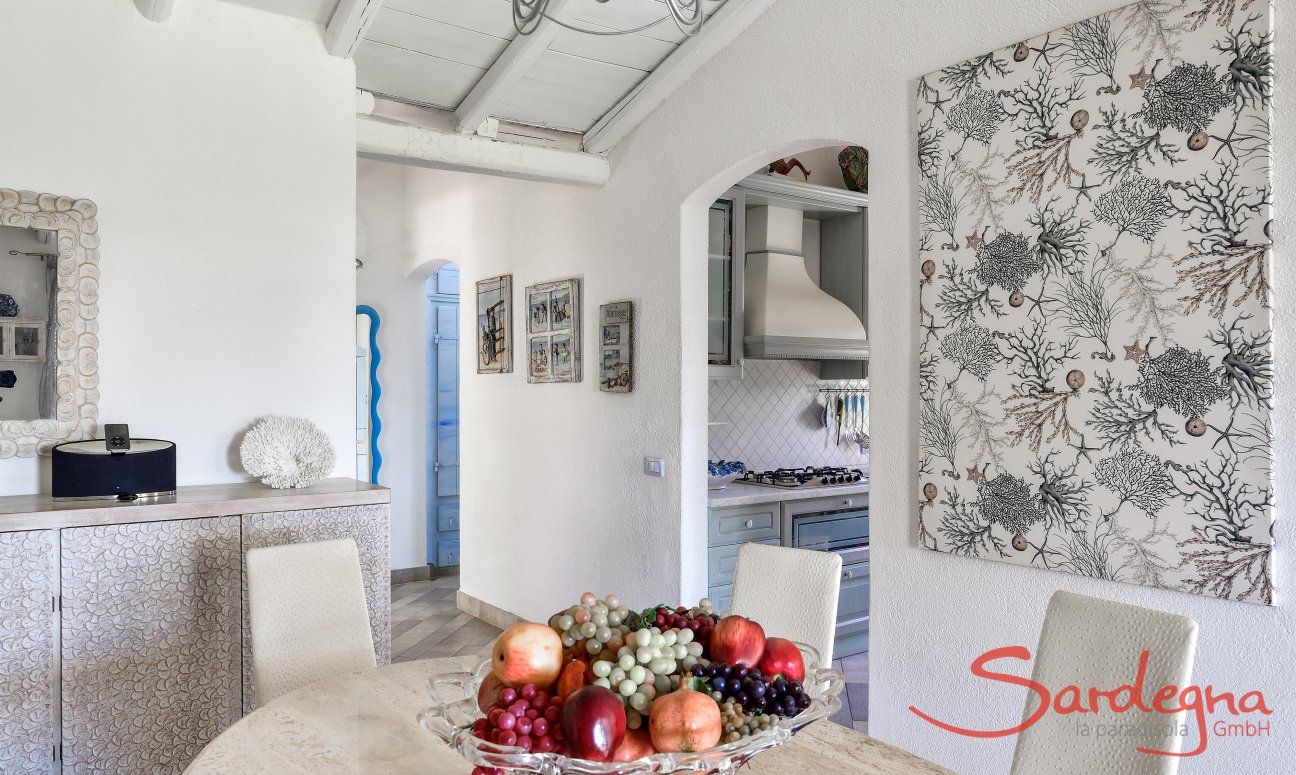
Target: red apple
[[528, 653], [737, 641], [593, 724], [782, 657], [489, 692]]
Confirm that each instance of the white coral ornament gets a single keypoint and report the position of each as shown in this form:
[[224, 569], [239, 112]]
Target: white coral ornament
[[286, 452]]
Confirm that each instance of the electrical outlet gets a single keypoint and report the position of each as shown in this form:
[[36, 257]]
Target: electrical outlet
[[655, 466]]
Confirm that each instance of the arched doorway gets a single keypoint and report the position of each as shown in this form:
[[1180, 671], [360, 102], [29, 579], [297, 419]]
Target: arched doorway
[[765, 405]]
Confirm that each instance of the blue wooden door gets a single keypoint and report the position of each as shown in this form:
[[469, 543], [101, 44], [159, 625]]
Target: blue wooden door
[[443, 419]]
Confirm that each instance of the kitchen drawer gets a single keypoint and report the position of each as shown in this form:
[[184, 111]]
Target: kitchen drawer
[[826, 505], [741, 524], [832, 531], [852, 637], [721, 596], [723, 560], [853, 599]]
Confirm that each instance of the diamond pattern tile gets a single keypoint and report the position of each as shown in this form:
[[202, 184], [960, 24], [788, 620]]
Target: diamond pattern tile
[[774, 418]]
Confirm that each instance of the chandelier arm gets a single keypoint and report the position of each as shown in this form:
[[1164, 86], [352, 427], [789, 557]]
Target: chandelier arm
[[588, 31], [527, 15], [688, 15]]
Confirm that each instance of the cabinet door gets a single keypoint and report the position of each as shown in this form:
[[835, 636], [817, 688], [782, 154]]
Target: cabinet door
[[151, 641], [726, 257], [369, 526], [27, 568]]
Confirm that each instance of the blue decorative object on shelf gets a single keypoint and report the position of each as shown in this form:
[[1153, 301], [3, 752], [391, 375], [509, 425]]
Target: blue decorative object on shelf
[[8, 306], [375, 390]]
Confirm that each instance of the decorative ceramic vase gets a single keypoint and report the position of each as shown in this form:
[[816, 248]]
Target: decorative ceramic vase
[[8, 306]]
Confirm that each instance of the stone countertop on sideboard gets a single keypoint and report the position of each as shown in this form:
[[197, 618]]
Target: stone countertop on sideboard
[[41, 512], [739, 494]]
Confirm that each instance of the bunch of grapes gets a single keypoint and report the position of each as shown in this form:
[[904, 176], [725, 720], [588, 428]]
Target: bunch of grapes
[[641, 669], [754, 692], [593, 625], [526, 718], [701, 620], [738, 723]]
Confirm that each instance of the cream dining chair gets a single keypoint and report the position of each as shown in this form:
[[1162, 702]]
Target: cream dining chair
[[791, 592], [309, 620], [1091, 642]]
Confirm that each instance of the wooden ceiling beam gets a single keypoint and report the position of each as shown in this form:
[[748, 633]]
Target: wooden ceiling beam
[[719, 31], [511, 66], [348, 26], [400, 143]]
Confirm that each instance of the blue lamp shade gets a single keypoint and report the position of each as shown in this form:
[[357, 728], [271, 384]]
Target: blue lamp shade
[[8, 306]]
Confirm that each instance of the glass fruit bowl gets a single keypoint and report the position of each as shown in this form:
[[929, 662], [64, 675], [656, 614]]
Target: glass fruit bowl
[[451, 719]]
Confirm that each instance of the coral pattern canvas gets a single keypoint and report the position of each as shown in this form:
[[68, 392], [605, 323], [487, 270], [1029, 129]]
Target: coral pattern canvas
[[1095, 367]]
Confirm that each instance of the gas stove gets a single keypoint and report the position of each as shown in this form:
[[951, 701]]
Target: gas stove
[[810, 476]]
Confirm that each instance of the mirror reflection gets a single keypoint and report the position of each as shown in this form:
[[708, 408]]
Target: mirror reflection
[[28, 262]]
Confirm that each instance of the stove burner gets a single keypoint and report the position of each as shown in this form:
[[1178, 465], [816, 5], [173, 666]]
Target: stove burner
[[810, 476]]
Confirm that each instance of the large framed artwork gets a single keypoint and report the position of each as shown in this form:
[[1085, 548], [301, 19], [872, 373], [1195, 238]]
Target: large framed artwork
[[553, 332], [1095, 366], [495, 325]]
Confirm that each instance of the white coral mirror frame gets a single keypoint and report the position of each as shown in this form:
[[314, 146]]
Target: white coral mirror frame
[[75, 320]]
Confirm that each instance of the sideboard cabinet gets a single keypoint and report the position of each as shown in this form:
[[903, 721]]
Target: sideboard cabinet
[[124, 643]]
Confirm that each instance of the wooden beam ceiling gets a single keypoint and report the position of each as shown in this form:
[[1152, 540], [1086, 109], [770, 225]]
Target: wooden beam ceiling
[[348, 26], [516, 61], [719, 31]]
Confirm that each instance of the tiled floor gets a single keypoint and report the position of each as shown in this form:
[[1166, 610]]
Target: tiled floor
[[425, 623], [854, 712]]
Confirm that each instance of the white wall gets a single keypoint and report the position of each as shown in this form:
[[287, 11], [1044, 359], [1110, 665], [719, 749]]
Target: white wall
[[219, 147], [571, 510], [401, 301]]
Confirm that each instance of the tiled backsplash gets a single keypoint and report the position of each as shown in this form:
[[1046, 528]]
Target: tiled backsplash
[[773, 415]]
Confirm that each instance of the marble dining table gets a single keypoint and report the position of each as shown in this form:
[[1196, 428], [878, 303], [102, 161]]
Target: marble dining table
[[366, 722]]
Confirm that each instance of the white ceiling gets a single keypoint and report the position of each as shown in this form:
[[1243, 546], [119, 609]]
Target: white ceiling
[[432, 52]]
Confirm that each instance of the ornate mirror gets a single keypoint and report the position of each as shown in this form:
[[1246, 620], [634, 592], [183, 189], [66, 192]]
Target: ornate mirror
[[49, 329]]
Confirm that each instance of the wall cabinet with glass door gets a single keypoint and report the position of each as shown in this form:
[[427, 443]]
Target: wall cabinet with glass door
[[727, 228]]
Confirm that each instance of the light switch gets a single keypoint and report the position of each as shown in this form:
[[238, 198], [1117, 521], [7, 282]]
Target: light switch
[[655, 466]]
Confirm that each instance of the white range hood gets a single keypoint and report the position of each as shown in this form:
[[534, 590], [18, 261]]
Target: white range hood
[[786, 316]]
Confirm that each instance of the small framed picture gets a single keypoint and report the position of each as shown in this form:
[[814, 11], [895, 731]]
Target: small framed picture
[[495, 325], [553, 331], [616, 347]]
